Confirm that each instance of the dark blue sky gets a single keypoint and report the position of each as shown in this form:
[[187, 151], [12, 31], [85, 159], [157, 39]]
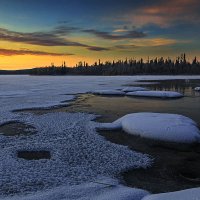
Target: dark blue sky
[[91, 29]]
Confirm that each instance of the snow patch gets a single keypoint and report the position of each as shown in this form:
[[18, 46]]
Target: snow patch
[[86, 191], [189, 194], [133, 89], [159, 94], [158, 126]]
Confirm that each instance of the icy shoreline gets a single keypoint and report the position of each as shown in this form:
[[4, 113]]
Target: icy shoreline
[[75, 132]]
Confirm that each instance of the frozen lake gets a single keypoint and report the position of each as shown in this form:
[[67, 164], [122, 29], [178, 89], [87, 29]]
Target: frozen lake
[[76, 153]]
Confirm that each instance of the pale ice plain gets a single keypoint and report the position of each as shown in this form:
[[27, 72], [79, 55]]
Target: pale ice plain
[[79, 154]]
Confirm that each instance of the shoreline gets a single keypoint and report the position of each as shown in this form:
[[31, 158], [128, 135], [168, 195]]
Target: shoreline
[[177, 180]]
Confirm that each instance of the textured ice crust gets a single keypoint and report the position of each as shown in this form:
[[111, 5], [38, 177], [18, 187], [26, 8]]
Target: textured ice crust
[[109, 190], [158, 126], [78, 154]]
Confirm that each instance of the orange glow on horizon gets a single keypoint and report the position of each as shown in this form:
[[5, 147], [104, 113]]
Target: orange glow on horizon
[[30, 61]]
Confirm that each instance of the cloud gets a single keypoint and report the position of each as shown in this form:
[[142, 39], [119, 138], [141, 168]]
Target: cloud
[[165, 13], [128, 34], [12, 52], [157, 42], [51, 38], [64, 30], [93, 48], [39, 38], [147, 42], [128, 47]]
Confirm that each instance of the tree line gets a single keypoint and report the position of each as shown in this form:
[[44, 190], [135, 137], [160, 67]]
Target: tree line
[[157, 66], [125, 67]]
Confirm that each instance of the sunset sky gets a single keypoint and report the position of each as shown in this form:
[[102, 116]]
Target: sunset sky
[[36, 33]]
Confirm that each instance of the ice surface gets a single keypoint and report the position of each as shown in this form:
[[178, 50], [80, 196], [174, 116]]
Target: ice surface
[[159, 94], [86, 191], [158, 126], [108, 92], [189, 194], [133, 89], [78, 153], [20, 92]]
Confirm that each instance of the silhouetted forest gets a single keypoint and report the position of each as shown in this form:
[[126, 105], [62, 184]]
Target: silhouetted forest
[[125, 67], [157, 66]]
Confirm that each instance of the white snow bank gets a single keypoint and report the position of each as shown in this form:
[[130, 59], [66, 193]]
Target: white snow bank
[[108, 92], [87, 191], [189, 194], [197, 88], [133, 89], [158, 126], [159, 94]]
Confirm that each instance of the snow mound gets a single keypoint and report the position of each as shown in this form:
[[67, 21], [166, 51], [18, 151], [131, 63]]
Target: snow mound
[[133, 89], [158, 126], [108, 92], [86, 191], [159, 94], [197, 88], [189, 194]]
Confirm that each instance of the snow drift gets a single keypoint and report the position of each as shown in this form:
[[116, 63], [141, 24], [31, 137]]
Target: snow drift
[[158, 126], [189, 194], [157, 94]]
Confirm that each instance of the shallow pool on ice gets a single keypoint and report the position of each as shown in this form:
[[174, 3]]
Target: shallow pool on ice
[[158, 126]]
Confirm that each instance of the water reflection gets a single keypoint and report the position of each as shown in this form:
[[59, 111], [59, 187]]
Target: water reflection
[[111, 108], [185, 87]]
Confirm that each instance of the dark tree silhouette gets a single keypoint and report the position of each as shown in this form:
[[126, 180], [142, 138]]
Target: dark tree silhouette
[[156, 66]]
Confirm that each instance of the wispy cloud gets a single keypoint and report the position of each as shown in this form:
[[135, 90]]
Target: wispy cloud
[[13, 52], [165, 13], [125, 47], [128, 34], [156, 42], [38, 38], [64, 30], [93, 48], [135, 44], [51, 38]]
